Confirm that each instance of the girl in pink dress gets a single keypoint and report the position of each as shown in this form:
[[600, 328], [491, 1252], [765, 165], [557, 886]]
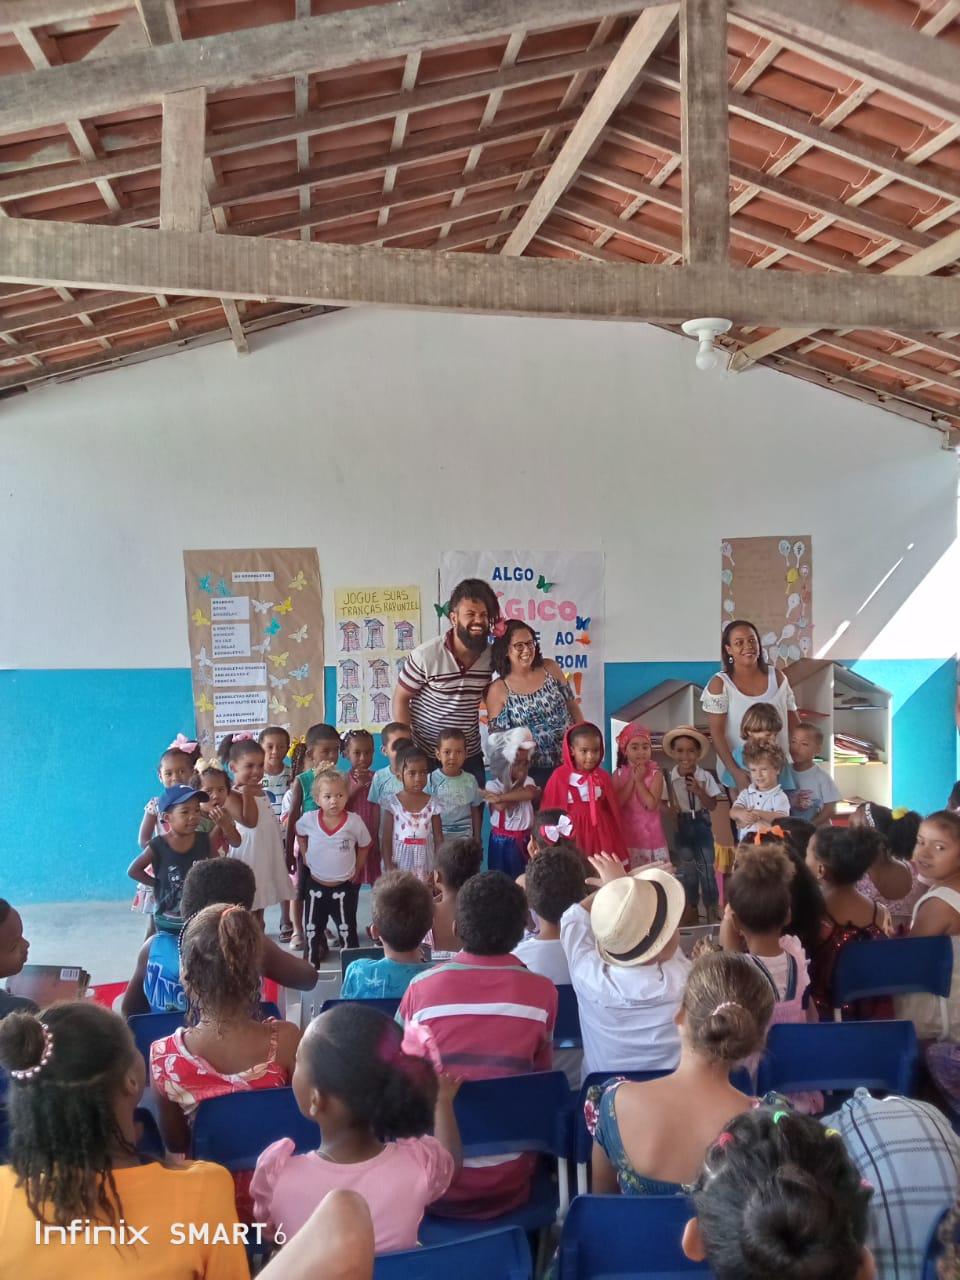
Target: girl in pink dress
[[358, 750], [639, 786], [412, 829]]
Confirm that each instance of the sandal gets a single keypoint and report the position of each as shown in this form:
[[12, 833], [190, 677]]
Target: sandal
[[296, 942], [286, 932]]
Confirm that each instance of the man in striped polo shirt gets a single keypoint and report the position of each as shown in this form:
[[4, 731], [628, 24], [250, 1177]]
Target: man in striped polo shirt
[[443, 681], [484, 1014]]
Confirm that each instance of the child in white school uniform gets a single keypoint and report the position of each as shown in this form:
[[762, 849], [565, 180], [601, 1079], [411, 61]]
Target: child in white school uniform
[[762, 803]]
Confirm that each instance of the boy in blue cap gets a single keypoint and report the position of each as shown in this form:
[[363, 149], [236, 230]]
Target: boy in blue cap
[[169, 857]]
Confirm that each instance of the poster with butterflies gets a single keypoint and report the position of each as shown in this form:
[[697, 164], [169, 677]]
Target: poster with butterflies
[[376, 628], [255, 626], [769, 581]]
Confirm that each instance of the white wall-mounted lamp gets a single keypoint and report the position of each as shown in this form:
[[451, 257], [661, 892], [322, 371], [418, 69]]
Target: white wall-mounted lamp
[[706, 331]]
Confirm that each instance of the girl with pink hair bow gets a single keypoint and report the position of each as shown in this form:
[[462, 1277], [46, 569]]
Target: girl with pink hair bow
[[639, 786]]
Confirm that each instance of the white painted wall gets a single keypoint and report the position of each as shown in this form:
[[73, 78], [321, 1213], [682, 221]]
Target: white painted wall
[[385, 437]]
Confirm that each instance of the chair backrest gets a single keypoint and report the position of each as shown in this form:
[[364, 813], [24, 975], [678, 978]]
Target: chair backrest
[[234, 1129], [839, 1055], [386, 1004], [621, 1237], [893, 966], [147, 1027], [493, 1255], [349, 954], [515, 1113], [566, 1031]]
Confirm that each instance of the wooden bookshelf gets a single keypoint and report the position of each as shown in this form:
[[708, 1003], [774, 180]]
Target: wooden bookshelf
[[666, 705]]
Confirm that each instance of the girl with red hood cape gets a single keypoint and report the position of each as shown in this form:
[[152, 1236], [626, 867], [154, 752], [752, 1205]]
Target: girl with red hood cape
[[585, 791]]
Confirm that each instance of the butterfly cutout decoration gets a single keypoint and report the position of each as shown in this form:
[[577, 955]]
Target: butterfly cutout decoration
[[544, 585], [300, 634], [276, 706], [298, 583], [202, 659], [198, 619], [204, 583], [277, 683], [303, 699], [285, 607], [203, 703], [222, 589], [583, 624], [262, 648], [278, 659], [262, 606], [273, 628], [301, 673], [443, 610]]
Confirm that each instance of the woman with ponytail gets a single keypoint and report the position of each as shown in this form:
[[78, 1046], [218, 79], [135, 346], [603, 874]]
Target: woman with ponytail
[[374, 1104], [226, 1047], [76, 1198]]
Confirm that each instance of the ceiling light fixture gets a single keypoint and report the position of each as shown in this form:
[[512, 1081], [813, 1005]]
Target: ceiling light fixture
[[706, 331]]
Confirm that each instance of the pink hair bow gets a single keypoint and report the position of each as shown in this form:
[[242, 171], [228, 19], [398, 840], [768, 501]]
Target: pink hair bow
[[499, 629], [181, 743], [243, 737], [552, 834]]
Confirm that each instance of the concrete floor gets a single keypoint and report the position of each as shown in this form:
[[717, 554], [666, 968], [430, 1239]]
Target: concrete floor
[[104, 938]]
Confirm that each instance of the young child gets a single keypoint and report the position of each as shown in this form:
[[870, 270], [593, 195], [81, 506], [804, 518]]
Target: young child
[[893, 878], [555, 880], [510, 793], [386, 783], [937, 856], [693, 796], [276, 773], [215, 820], [357, 750], [456, 861], [815, 794], [553, 829], [411, 824], [402, 911], [14, 949], [762, 722], [337, 847], [764, 801], [172, 855], [261, 845], [839, 857], [456, 792], [374, 1105], [175, 770], [321, 746], [778, 1195], [758, 910], [586, 792], [639, 786]]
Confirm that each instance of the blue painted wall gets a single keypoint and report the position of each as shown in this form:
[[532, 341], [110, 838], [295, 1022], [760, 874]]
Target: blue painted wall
[[93, 739]]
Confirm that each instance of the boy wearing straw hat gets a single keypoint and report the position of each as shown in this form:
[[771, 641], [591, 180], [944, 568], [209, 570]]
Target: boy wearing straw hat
[[622, 946], [693, 797]]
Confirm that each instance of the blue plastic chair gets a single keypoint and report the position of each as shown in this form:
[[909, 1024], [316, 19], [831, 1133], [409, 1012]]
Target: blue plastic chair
[[626, 1238], [495, 1255], [566, 1032], [895, 967], [386, 1005], [935, 1248], [529, 1113], [840, 1056], [147, 1027], [233, 1130]]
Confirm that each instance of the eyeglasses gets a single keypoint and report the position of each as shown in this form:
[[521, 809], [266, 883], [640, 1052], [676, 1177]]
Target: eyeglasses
[[523, 647]]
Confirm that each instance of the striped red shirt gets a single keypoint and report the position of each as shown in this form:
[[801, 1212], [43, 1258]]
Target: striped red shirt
[[446, 694], [488, 1016]]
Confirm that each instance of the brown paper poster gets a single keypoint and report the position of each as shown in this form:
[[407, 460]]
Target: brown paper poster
[[255, 622], [769, 582]]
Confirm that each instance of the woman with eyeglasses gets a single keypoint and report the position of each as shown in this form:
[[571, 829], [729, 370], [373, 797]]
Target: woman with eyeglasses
[[531, 693]]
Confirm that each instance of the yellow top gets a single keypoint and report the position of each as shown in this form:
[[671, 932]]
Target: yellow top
[[176, 1224]]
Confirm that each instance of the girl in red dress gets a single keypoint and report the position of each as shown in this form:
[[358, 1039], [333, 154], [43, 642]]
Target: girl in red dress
[[586, 792]]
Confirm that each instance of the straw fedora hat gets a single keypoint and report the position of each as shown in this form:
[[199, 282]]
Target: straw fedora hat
[[684, 731], [635, 916]]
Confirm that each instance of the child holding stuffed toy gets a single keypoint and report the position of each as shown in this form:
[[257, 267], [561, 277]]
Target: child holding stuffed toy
[[585, 791]]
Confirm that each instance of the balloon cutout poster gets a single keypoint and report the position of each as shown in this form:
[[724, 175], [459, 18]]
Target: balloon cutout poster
[[769, 581]]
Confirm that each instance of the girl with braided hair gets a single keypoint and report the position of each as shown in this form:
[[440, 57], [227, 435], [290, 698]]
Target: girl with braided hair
[[76, 1198]]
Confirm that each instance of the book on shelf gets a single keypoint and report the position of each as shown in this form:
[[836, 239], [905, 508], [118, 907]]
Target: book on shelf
[[46, 984]]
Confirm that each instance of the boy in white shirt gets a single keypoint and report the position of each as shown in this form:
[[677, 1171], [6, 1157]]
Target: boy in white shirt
[[816, 795], [760, 805], [692, 796]]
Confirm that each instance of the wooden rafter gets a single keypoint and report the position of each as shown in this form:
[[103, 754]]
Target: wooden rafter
[[704, 131], [203, 265], [268, 53], [181, 174], [639, 44]]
